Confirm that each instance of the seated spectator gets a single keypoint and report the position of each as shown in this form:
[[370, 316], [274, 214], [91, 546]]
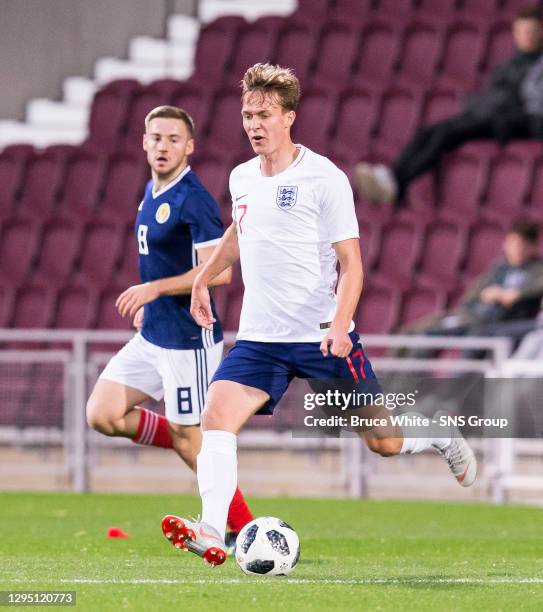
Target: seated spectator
[[506, 110], [505, 301]]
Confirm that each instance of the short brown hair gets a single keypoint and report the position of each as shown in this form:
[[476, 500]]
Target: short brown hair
[[281, 82], [170, 112], [527, 230], [529, 12]]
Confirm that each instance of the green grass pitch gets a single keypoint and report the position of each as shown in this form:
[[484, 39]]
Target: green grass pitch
[[356, 555]]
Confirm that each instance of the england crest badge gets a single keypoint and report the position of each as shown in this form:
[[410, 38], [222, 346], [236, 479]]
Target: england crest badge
[[286, 196]]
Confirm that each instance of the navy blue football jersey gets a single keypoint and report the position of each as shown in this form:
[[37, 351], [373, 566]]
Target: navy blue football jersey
[[170, 226]]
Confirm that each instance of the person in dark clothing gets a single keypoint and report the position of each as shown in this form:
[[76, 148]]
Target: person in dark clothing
[[505, 301], [503, 111]]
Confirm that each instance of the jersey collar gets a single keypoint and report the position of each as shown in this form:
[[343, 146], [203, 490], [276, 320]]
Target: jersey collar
[[293, 164], [176, 180]]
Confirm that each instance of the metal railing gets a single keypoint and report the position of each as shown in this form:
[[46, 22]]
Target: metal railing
[[80, 363]]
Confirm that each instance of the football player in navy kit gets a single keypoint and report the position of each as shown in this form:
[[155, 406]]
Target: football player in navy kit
[[177, 227]]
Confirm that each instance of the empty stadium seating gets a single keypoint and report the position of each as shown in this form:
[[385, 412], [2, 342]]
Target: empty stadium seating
[[59, 247], [372, 72], [18, 245], [75, 307], [100, 253]]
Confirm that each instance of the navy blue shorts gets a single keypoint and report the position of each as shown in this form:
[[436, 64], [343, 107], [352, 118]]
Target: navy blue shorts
[[271, 366]]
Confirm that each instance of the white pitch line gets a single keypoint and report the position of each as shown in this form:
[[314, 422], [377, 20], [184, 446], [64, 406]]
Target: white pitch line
[[279, 580]]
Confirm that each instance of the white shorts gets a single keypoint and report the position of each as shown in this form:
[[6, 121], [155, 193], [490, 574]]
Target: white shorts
[[181, 377]]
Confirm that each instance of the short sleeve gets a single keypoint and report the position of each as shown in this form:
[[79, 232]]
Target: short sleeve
[[337, 207], [202, 214]]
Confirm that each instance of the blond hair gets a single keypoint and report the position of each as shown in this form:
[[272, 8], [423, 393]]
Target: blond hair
[[282, 83], [170, 112]]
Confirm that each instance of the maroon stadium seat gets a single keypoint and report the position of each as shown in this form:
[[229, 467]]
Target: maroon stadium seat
[[125, 87], [462, 57], [484, 247], [143, 101], [60, 245], [225, 128], [34, 307], [500, 46], [400, 246], [84, 176], [354, 122], [100, 253], [398, 117], [272, 23], [421, 50], [296, 46], [439, 105], [370, 240], [461, 186], [107, 118], [444, 246], [338, 47], [378, 310], [213, 172], [128, 273], [166, 88], [196, 100], [528, 150], [313, 10], [214, 49], [352, 12], [440, 12], [232, 308], [108, 316], [255, 43], [20, 152], [11, 174], [220, 298], [41, 184], [508, 184], [124, 184], [484, 150], [315, 119], [380, 46], [61, 152], [511, 7], [419, 302], [421, 196], [7, 297], [394, 11], [75, 308], [536, 187], [18, 244], [480, 10]]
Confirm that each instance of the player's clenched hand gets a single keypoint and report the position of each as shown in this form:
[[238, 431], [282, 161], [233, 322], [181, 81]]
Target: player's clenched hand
[[131, 300], [340, 342], [138, 319], [200, 306]]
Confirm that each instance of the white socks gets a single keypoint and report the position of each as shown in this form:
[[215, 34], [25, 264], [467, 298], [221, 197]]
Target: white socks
[[412, 443], [217, 472]]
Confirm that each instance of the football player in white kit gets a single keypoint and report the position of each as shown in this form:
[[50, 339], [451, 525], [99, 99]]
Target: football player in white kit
[[293, 220]]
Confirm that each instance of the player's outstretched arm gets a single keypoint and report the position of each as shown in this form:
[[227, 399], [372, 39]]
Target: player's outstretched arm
[[225, 254], [351, 278], [131, 300]]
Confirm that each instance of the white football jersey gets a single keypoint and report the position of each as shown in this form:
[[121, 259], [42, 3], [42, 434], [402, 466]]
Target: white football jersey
[[286, 225]]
